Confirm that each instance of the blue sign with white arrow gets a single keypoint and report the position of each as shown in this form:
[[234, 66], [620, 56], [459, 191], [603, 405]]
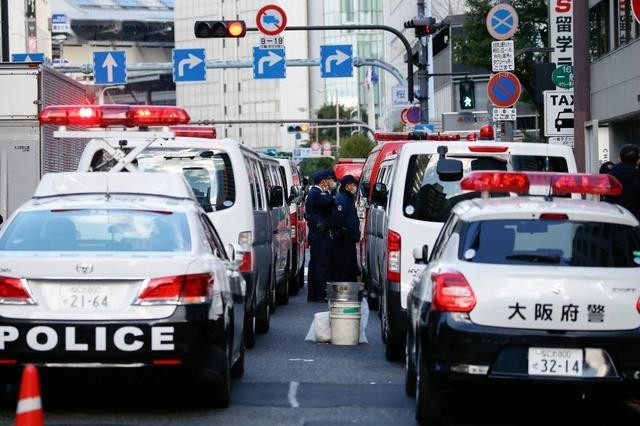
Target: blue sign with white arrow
[[336, 60], [27, 57], [110, 67], [189, 65], [269, 63]]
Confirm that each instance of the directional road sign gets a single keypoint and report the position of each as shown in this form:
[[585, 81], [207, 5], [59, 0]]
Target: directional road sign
[[269, 63], [189, 65], [504, 89], [502, 21], [635, 9], [27, 57], [336, 60], [558, 112], [110, 67], [271, 20], [563, 76]]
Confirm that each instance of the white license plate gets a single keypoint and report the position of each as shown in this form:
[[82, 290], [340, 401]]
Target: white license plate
[[85, 297], [555, 362]]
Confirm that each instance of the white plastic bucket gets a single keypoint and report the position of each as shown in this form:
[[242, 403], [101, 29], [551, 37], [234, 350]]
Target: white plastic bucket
[[345, 323]]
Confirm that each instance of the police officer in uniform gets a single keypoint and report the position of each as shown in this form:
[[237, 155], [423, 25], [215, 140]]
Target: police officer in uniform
[[347, 232], [318, 209]]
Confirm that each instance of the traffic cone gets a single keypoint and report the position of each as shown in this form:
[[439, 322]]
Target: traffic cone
[[29, 411]]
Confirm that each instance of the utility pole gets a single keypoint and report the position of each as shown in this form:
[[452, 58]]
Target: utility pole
[[582, 89], [423, 72], [508, 125]]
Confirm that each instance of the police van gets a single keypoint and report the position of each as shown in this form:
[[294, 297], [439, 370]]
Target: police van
[[413, 198], [121, 271], [226, 177], [535, 293]]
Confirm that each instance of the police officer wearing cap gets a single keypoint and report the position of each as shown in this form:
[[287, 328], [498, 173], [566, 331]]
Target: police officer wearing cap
[[318, 209], [347, 232], [627, 173]]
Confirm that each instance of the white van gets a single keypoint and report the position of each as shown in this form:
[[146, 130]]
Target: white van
[[413, 200], [228, 181]]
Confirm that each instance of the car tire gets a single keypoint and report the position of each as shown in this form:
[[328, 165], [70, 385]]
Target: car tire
[[215, 394], [263, 321], [373, 302], [250, 328], [294, 287], [273, 291], [301, 274], [282, 296], [237, 370], [430, 401], [409, 369], [393, 346]]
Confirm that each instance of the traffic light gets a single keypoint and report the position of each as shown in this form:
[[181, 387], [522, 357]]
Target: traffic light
[[467, 94], [423, 26], [220, 29], [297, 128]]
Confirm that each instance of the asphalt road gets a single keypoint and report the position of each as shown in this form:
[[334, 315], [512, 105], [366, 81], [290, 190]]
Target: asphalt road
[[292, 382]]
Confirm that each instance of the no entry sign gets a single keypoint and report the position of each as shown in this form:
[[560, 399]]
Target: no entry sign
[[635, 8], [504, 89]]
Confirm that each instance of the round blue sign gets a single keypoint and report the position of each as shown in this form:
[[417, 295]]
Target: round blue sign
[[502, 22]]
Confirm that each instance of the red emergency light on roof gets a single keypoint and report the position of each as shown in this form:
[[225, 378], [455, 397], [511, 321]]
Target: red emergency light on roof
[[416, 136], [206, 132], [555, 183], [113, 115]]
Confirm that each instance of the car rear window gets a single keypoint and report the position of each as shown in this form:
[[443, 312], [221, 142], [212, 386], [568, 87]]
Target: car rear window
[[427, 198], [552, 242], [108, 230], [209, 173]]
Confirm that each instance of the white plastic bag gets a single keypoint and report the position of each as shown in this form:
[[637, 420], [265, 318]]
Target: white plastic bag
[[364, 318], [320, 330]]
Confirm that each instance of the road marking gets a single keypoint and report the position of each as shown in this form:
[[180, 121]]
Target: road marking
[[301, 359], [293, 392]]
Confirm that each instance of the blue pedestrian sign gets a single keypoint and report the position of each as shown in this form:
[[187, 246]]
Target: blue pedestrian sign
[[269, 63], [189, 65], [110, 67], [502, 21], [336, 60], [27, 57]]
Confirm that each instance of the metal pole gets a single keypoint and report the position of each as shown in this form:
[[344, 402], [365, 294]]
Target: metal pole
[[508, 125], [4, 12], [337, 124], [423, 72], [582, 89]]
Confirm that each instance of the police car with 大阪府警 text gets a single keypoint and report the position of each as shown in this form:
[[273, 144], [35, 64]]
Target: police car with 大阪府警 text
[[531, 290], [120, 271]]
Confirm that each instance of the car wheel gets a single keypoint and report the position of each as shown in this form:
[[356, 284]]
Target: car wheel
[[409, 369], [301, 274], [282, 296], [272, 291], [263, 320], [393, 346], [237, 370], [429, 399], [215, 394], [249, 331], [294, 279]]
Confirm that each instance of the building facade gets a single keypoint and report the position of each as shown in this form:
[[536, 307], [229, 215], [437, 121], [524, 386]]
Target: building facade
[[233, 93]]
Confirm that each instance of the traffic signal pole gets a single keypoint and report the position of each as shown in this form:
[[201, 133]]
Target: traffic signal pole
[[423, 71]]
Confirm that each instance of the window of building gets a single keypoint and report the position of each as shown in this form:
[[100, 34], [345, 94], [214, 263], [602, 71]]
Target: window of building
[[626, 27], [599, 30]]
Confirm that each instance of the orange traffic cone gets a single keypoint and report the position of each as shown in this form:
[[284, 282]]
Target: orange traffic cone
[[29, 412]]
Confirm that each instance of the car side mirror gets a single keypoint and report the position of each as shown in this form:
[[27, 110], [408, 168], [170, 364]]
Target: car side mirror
[[276, 196], [380, 194], [294, 194], [1, 220], [421, 255], [235, 253], [305, 181], [450, 170]]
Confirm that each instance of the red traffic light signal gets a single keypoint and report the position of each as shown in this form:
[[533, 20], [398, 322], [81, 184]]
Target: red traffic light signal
[[220, 29]]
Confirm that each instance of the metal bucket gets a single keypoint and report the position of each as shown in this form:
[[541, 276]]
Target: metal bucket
[[345, 323], [343, 291]]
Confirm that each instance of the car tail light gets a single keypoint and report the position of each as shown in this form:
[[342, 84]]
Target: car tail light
[[245, 239], [169, 361], [294, 227], [451, 293], [487, 133], [489, 149], [638, 305], [204, 132], [554, 216], [178, 290], [14, 292], [113, 115], [8, 361], [394, 249]]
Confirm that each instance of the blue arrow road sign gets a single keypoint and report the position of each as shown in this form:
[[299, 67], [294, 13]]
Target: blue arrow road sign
[[269, 63], [110, 67], [27, 57], [189, 65], [336, 60]]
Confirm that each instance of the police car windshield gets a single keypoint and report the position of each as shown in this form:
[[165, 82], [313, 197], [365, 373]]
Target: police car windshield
[[208, 172], [428, 198], [551, 242], [112, 230]]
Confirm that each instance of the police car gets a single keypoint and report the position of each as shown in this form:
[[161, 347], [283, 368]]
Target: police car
[[527, 290], [98, 270]]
